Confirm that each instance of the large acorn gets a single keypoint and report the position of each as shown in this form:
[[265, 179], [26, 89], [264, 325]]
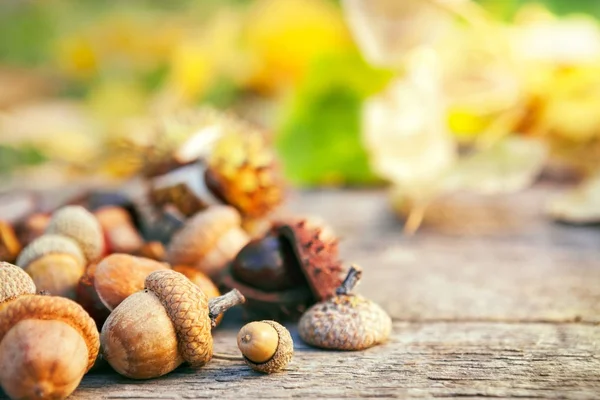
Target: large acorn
[[346, 321], [293, 266], [153, 331], [205, 157]]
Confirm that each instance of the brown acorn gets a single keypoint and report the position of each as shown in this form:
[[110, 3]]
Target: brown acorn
[[153, 331], [80, 225], [208, 240], [293, 266], [118, 276], [14, 282], [267, 346], [56, 263], [346, 321], [9, 243], [47, 344]]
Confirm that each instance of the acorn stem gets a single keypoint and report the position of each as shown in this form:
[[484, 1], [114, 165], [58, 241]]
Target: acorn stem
[[350, 281], [219, 305]]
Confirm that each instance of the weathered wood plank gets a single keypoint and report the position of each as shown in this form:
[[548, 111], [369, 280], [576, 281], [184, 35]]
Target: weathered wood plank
[[422, 360], [476, 258]]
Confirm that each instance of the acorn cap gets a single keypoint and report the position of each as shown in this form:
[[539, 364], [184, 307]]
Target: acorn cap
[[80, 225], [14, 282], [283, 355], [50, 244], [9, 243], [55, 309], [345, 321], [187, 306], [316, 249], [201, 234], [243, 170], [118, 276]]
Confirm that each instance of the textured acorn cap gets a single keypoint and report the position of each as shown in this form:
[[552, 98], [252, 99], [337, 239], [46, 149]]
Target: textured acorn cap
[[316, 249], [243, 170], [14, 282], [187, 306], [50, 244], [345, 322], [283, 355], [55, 309], [118, 276], [81, 226], [201, 234]]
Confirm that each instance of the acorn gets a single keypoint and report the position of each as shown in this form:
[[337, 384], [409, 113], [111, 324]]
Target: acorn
[[346, 321], [205, 157], [118, 276], [14, 282], [9, 243], [208, 240], [55, 263], [155, 330], [293, 266], [47, 344], [120, 234], [80, 225], [267, 346]]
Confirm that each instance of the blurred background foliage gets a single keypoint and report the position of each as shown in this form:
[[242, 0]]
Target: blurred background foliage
[[79, 77]]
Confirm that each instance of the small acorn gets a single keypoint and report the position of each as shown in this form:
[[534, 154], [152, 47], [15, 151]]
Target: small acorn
[[9, 243], [267, 346], [346, 321], [14, 282], [208, 240], [293, 266], [80, 225], [55, 263]]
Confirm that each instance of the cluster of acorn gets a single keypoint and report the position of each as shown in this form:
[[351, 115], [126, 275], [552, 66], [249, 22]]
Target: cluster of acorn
[[134, 280]]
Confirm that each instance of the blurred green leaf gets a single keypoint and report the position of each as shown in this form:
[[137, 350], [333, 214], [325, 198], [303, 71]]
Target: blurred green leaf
[[319, 140], [12, 158]]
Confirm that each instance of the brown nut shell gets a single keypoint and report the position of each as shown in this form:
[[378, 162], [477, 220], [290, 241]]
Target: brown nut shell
[[51, 308], [14, 282], [345, 322], [316, 249], [120, 275], [209, 240], [187, 307], [50, 244], [80, 225], [283, 354]]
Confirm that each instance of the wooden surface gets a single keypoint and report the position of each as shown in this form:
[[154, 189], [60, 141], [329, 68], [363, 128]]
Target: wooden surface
[[489, 299]]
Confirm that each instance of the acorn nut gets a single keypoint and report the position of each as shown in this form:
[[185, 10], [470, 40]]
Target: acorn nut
[[9, 243], [118, 276], [80, 225], [153, 331], [346, 321], [267, 346], [55, 263], [208, 240], [47, 344]]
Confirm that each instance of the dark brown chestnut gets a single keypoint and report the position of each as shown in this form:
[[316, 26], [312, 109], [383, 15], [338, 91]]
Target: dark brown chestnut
[[293, 266]]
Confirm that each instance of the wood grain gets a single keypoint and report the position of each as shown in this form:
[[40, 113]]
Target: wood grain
[[490, 300]]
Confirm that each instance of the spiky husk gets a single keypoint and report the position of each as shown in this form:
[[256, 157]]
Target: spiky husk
[[316, 249]]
